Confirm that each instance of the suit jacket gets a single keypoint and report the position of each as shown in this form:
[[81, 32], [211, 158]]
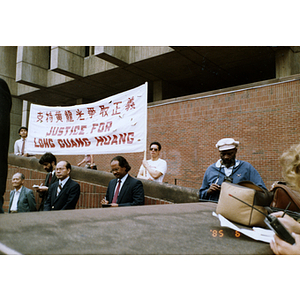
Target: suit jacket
[[26, 201], [45, 194], [66, 199], [132, 192]]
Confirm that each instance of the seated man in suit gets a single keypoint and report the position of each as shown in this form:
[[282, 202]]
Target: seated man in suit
[[21, 198], [124, 190], [64, 193]]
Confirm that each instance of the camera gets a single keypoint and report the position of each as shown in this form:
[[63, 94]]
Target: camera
[[274, 224], [228, 179]]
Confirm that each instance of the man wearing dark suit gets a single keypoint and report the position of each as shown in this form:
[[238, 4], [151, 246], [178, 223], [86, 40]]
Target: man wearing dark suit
[[21, 198], [5, 107], [48, 161], [124, 190], [64, 193]]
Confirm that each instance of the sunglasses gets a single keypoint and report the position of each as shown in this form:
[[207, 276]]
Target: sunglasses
[[154, 149]]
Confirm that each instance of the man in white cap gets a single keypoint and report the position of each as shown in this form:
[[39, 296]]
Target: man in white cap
[[229, 169]]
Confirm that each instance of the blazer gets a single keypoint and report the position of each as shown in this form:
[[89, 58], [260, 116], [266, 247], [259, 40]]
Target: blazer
[[132, 192], [66, 199], [44, 195], [26, 201]]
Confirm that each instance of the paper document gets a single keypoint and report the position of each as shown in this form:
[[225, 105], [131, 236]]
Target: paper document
[[256, 233]]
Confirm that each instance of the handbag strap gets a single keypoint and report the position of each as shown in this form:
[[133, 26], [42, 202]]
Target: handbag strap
[[262, 197], [293, 194]]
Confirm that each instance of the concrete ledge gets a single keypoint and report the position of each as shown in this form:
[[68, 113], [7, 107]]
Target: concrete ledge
[[163, 191], [179, 229]]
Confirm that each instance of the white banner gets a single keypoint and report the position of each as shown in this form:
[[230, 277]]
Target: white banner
[[117, 124]]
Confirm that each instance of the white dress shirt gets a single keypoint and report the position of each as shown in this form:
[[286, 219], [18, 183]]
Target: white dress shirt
[[14, 205]]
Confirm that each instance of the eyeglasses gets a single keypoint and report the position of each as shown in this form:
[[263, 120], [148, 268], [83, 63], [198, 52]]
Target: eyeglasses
[[154, 149]]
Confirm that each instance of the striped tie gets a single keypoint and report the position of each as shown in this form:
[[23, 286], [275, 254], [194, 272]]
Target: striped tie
[[58, 189]]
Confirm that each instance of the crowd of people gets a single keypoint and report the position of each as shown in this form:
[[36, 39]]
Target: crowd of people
[[60, 192]]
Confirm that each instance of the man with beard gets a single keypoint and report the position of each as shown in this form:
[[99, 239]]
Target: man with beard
[[229, 169], [48, 161]]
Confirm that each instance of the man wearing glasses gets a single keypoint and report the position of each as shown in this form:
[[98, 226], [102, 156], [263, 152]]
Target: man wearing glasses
[[229, 169], [155, 168]]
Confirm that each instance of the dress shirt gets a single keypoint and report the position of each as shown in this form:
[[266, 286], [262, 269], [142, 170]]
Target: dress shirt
[[14, 205], [227, 171], [18, 147], [63, 182]]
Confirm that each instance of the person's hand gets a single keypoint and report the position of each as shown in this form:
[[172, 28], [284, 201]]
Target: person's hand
[[114, 204], [213, 188], [42, 189], [288, 222], [279, 246], [104, 201]]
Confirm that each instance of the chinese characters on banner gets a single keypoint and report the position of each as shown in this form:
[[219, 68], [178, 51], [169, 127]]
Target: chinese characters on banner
[[117, 124]]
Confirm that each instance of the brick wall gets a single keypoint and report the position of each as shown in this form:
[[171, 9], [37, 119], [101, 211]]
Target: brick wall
[[90, 194], [264, 118]]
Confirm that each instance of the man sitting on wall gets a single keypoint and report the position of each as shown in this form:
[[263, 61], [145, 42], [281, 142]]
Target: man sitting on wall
[[229, 169]]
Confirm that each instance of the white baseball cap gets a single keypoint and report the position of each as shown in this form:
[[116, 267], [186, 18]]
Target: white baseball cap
[[227, 144]]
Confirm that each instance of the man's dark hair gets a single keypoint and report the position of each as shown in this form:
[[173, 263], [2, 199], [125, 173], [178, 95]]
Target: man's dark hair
[[68, 165], [156, 143], [22, 127], [48, 157], [123, 163]]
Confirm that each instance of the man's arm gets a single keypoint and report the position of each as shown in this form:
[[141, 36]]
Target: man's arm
[[141, 174], [154, 173], [205, 186], [17, 148], [256, 178], [31, 200]]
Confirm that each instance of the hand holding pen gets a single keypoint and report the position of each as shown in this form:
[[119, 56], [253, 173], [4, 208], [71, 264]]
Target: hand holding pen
[[214, 187]]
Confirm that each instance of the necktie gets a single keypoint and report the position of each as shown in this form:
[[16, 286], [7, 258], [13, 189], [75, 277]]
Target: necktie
[[117, 192], [23, 147], [50, 177], [58, 189]]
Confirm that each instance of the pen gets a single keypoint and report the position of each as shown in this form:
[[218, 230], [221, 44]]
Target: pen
[[286, 209]]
